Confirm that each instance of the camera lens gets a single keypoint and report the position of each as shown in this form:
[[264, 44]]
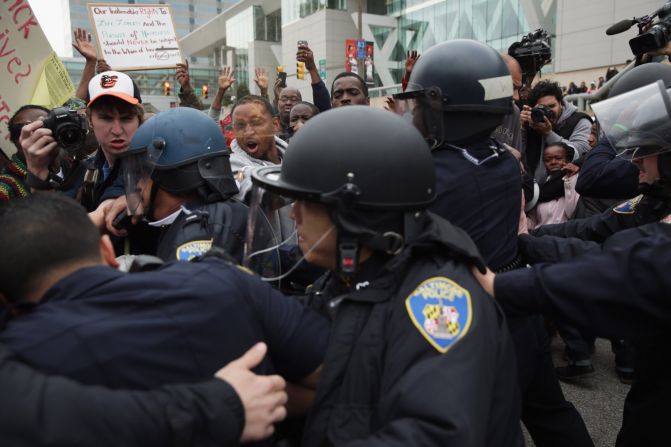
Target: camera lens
[[69, 136]]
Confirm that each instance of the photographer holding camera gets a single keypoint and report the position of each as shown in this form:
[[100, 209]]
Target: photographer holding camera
[[113, 114], [552, 120]]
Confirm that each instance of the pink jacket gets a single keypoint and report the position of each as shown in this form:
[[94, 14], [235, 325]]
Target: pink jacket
[[558, 210]]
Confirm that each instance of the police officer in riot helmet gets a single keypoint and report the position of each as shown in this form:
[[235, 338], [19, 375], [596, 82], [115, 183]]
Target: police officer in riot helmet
[[407, 316], [604, 174], [458, 93], [177, 176], [636, 127]]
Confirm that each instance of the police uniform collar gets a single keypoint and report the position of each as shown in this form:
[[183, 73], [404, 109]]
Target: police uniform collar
[[79, 283], [366, 284], [170, 219], [369, 271]]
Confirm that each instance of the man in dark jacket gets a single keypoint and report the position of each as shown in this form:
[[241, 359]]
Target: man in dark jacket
[[40, 410], [138, 330], [416, 356]]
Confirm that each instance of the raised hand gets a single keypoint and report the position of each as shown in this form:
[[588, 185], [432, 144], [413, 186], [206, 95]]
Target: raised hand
[[261, 78], [226, 78], [304, 54], [82, 43], [182, 75], [410, 61]]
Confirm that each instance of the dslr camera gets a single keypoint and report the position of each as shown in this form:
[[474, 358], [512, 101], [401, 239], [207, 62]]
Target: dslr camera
[[540, 112], [657, 36], [68, 127]]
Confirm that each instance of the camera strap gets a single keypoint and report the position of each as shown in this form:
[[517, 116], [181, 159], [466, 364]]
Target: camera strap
[[87, 190]]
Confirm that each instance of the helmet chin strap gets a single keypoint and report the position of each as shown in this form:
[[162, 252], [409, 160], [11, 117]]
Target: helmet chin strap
[[149, 213], [352, 237]]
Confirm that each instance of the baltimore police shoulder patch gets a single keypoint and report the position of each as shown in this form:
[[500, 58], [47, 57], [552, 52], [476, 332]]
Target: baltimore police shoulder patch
[[190, 250], [628, 207], [441, 310]]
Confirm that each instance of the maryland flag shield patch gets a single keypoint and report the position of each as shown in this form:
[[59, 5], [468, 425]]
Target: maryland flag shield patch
[[441, 310]]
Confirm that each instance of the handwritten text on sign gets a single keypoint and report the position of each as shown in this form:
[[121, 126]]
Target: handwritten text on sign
[[135, 37]]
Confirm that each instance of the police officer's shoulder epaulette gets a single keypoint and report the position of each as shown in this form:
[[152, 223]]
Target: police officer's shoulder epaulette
[[628, 207], [441, 311]]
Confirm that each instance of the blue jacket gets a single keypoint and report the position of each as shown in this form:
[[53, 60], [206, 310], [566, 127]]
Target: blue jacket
[[180, 323], [606, 176]]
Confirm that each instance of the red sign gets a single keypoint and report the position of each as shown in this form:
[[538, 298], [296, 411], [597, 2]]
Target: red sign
[[351, 63]]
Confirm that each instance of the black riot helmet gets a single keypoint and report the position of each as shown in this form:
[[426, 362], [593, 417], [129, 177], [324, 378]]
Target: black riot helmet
[[636, 101], [458, 93], [183, 151], [371, 169], [641, 76]]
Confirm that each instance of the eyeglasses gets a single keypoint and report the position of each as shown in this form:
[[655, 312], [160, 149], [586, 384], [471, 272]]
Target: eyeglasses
[[240, 126]]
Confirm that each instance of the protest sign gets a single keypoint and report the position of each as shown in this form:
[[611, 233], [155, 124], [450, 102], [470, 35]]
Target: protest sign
[[31, 72], [131, 37]]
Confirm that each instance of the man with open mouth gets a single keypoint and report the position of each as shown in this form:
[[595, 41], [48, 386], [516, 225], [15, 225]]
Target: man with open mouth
[[255, 127]]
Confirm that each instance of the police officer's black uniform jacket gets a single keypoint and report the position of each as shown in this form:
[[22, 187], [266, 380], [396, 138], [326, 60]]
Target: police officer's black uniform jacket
[[480, 191], [200, 226], [615, 289], [557, 242], [39, 410], [618, 291], [418, 355]]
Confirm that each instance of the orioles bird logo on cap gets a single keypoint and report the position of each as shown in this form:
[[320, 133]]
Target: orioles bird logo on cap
[[107, 81]]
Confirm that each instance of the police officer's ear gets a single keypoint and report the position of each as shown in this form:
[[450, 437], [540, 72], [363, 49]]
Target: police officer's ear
[[107, 254], [276, 124]]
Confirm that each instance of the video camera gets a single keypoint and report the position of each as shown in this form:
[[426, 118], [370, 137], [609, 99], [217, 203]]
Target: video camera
[[69, 128], [533, 52], [654, 38]]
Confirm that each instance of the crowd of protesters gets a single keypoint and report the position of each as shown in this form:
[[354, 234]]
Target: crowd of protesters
[[321, 272]]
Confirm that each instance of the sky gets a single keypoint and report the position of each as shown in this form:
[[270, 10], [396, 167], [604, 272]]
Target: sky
[[54, 18]]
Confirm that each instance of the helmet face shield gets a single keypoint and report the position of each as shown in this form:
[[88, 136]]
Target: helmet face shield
[[137, 166], [274, 248], [637, 123], [423, 109], [270, 230]]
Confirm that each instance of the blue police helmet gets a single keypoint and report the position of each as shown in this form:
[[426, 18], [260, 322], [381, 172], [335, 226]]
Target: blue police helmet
[[187, 153]]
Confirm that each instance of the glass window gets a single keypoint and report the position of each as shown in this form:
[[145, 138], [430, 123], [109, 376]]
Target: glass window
[[422, 23], [293, 10]]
